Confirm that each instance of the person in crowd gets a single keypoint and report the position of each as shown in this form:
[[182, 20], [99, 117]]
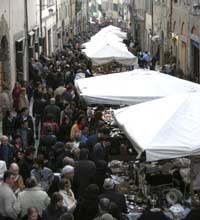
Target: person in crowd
[[23, 99], [68, 172], [60, 89], [68, 161], [38, 107], [101, 171], [114, 210], [3, 169], [67, 216], [77, 127], [69, 200], [55, 209], [47, 141], [53, 109], [103, 208], [26, 163], [49, 123], [146, 59], [8, 124], [32, 214], [24, 116], [15, 95], [32, 196], [113, 195], [26, 134], [19, 182], [43, 175], [85, 170], [7, 152], [8, 202], [88, 204], [65, 128], [77, 140], [18, 143], [102, 147], [69, 94], [66, 112]]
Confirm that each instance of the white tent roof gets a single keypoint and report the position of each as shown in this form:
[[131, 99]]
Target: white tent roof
[[164, 128], [106, 46], [132, 87], [108, 53]]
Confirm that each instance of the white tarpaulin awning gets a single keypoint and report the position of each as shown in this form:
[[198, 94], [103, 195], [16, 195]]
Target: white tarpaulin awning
[[106, 46], [133, 87], [108, 53], [165, 128]]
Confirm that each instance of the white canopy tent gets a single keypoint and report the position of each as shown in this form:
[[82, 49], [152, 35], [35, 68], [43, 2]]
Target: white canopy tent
[[106, 46], [108, 53], [165, 128], [127, 88]]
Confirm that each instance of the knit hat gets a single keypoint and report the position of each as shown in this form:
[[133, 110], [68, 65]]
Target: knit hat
[[108, 184], [67, 169]]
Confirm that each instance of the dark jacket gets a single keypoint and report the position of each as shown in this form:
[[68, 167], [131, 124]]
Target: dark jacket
[[7, 126], [101, 173], [25, 167], [153, 215], [116, 197], [54, 110], [39, 106], [7, 154], [87, 207], [50, 213], [84, 175], [27, 136]]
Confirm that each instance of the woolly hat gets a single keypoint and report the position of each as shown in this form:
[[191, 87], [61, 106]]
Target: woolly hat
[[67, 169]]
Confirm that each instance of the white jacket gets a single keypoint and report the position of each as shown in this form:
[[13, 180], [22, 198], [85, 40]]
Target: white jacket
[[33, 197]]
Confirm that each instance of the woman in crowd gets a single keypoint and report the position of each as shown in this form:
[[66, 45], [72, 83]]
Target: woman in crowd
[[55, 209]]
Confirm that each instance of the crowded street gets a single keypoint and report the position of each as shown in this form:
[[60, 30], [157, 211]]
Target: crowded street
[[99, 111]]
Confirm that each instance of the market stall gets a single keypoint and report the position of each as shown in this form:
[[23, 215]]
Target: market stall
[[133, 87], [108, 52], [167, 132], [165, 128], [107, 46]]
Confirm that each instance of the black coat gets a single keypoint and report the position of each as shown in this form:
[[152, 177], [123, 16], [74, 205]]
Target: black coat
[[101, 173], [50, 213], [116, 197], [84, 175], [7, 154], [7, 126], [53, 110], [87, 208], [147, 215]]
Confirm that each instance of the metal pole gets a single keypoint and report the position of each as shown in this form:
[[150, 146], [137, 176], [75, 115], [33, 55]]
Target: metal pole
[[26, 52]]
